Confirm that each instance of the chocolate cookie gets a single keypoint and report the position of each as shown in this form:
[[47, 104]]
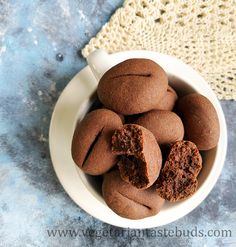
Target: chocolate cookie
[[122, 117], [141, 161], [200, 120], [127, 201], [166, 126], [91, 144], [178, 177], [133, 86], [168, 101]]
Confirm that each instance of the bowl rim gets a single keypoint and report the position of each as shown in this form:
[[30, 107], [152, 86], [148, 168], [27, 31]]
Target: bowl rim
[[190, 203]]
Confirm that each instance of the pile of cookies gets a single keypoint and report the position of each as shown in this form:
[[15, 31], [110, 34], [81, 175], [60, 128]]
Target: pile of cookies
[[144, 139]]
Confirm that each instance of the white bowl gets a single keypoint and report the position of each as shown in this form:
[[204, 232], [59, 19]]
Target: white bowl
[[85, 190]]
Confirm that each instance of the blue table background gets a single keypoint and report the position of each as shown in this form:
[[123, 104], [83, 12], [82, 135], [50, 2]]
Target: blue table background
[[40, 43]]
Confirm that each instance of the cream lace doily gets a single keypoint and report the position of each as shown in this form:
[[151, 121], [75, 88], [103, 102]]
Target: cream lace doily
[[201, 33]]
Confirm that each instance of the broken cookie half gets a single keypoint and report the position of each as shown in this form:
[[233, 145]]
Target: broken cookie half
[[141, 157], [178, 177]]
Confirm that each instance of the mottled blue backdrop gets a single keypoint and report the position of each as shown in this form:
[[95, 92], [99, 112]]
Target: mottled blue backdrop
[[40, 44]]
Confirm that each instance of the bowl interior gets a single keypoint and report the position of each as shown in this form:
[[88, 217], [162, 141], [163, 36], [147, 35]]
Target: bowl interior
[[94, 183]]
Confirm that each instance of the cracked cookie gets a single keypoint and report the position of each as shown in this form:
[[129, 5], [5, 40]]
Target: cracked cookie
[[91, 144], [141, 158], [128, 201], [133, 86], [178, 177]]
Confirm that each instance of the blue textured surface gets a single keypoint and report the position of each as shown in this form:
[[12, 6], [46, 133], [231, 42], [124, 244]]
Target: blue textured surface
[[40, 44]]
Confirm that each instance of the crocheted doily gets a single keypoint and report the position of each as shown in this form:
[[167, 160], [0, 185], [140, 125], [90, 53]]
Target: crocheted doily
[[201, 33]]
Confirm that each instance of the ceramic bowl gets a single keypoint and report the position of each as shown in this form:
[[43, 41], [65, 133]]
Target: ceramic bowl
[[72, 106]]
